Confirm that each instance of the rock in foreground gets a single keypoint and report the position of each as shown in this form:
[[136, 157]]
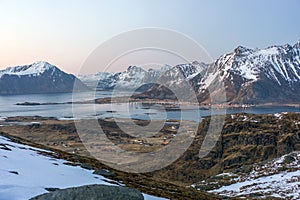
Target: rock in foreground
[[91, 192]]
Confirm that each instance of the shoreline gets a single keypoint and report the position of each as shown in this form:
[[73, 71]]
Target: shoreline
[[166, 102]]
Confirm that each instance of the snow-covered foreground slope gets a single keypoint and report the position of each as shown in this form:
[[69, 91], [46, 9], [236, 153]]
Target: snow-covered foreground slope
[[277, 178], [25, 172]]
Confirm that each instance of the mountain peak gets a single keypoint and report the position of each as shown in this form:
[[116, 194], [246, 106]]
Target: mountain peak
[[41, 62], [42, 65], [195, 62], [35, 68], [134, 68], [297, 45], [242, 50], [287, 47], [166, 67]]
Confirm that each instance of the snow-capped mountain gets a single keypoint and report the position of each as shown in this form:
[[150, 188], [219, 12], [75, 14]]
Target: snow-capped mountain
[[270, 75], [39, 77], [137, 77], [183, 72], [132, 77], [36, 69], [176, 79], [92, 80], [256, 75], [247, 75]]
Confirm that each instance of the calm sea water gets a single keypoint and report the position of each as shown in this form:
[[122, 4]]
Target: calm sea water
[[9, 108]]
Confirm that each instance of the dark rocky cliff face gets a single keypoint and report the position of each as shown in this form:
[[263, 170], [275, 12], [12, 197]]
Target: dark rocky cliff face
[[246, 139]]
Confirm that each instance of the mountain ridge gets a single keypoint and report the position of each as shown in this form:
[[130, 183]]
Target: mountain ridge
[[251, 76]]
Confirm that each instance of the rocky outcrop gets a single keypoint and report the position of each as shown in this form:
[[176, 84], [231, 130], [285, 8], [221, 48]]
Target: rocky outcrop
[[245, 139], [90, 192]]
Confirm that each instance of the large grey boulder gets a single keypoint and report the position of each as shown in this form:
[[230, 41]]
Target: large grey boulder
[[93, 192]]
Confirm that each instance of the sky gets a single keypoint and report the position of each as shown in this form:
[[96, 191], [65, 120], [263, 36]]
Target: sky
[[66, 32]]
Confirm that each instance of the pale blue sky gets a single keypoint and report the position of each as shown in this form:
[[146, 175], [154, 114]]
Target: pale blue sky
[[65, 32]]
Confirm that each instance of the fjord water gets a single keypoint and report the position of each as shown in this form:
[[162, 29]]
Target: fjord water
[[9, 108]]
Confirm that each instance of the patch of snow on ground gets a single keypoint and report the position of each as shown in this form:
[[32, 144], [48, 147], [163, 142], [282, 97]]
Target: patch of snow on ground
[[284, 185], [278, 178], [278, 115], [24, 173]]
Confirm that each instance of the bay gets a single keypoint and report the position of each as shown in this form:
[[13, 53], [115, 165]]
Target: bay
[[8, 108]]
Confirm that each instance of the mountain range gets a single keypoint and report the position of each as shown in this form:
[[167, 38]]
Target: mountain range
[[269, 75], [132, 77], [39, 77], [251, 76]]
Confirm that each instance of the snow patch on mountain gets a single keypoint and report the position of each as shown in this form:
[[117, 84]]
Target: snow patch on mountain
[[131, 78], [190, 70], [268, 51], [248, 73]]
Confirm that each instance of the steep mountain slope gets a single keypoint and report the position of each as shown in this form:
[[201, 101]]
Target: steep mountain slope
[[39, 77], [245, 140], [255, 75], [176, 79]]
